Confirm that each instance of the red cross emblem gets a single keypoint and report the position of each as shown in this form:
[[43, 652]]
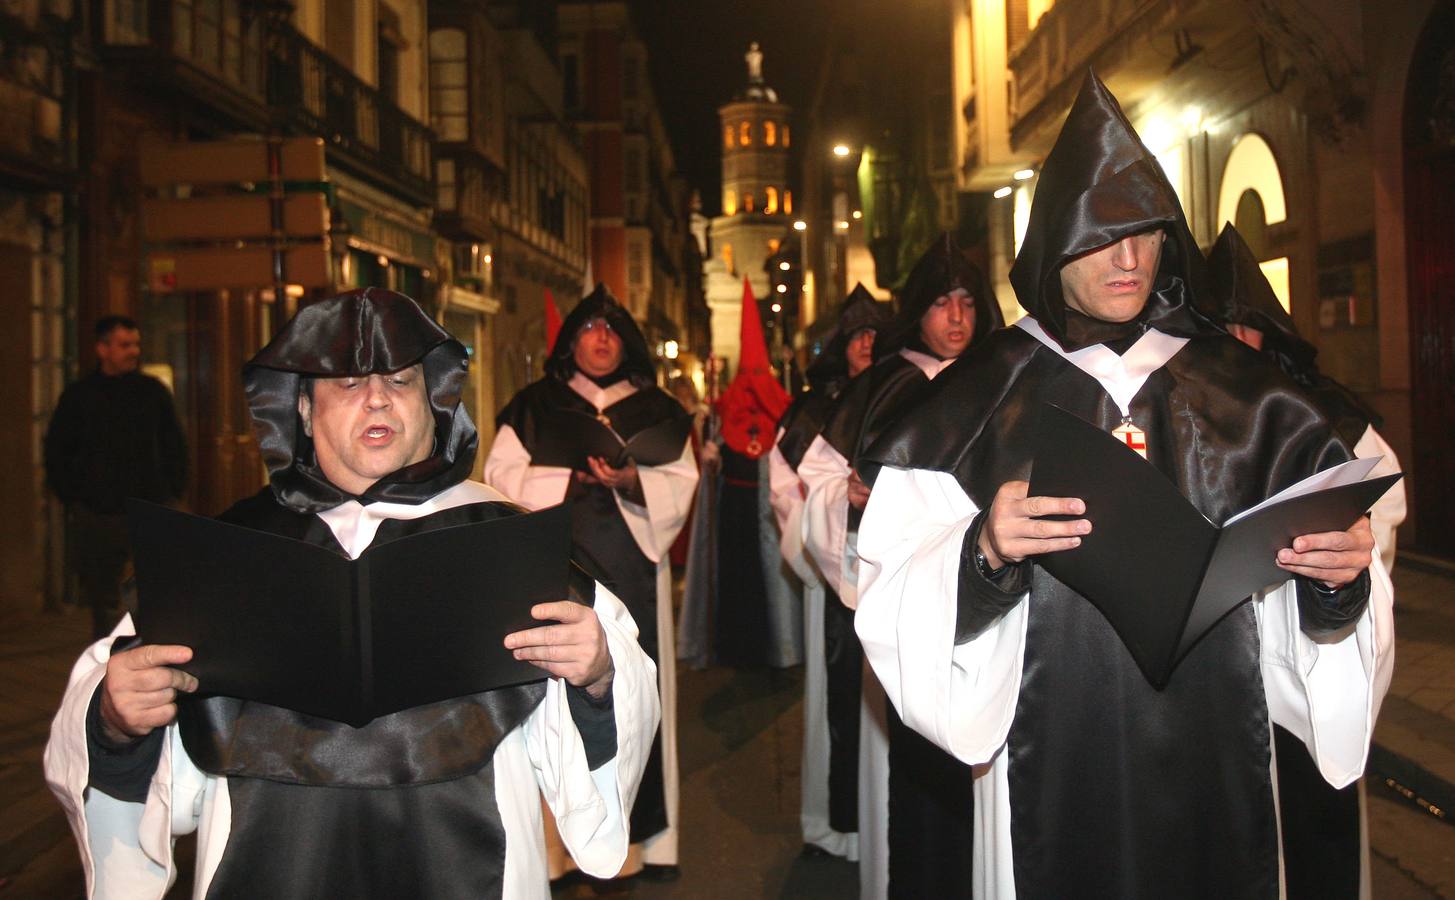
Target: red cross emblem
[[1134, 437]]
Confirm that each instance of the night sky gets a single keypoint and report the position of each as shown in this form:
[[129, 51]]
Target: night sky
[[696, 49]]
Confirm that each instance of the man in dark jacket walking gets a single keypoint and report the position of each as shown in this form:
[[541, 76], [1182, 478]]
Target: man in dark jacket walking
[[114, 435]]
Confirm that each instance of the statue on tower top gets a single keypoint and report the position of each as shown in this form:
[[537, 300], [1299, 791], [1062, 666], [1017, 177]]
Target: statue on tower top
[[754, 56]]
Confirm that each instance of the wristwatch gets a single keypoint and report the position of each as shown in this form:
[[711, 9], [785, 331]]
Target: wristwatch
[[982, 565]]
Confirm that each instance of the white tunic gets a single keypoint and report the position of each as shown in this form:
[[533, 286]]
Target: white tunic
[[668, 491], [963, 697], [126, 848], [834, 549], [786, 494]]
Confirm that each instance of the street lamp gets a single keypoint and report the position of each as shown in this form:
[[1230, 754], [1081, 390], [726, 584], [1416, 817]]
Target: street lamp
[[785, 265], [841, 150], [800, 225]]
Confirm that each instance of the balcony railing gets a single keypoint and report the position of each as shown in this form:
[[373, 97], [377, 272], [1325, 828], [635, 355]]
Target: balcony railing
[[316, 94]]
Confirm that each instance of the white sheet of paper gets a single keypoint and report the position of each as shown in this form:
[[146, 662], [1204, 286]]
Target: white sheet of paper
[[1354, 470]]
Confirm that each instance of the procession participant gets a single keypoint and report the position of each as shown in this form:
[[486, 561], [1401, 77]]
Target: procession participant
[[356, 405], [1324, 838], [624, 518], [757, 611], [917, 839], [1095, 783], [833, 662]]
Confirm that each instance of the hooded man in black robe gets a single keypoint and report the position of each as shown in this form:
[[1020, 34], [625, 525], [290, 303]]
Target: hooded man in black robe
[[1095, 783], [356, 406], [833, 666], [946, 309], [625, 512], [1324, 849]]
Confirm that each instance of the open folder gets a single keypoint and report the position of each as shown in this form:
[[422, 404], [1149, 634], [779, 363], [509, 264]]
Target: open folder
[[587, 436], [1160, 572], [291, 624]]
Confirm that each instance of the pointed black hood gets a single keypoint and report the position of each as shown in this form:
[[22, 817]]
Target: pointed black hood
[[859, 311], [636, 359], [943, 268], [360, 332], [1098, 185], [1244, 297]]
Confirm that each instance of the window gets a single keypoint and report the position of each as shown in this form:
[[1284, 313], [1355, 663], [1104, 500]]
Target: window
[[745, 134], [570, 81], [338, 30], [747, 203], [636, 270], [448, 89], [788, 203], [770, 134], [729, 202], [770, 205], [630, 74], [727, 257], [727, 136], [444, 176], [785, 134]]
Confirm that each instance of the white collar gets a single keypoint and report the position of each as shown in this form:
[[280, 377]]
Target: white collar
[[355, 524], [927, 364], [1120, 376], [598, 396]]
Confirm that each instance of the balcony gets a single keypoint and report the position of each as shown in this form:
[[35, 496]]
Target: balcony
[[210, 53], [312, 93]]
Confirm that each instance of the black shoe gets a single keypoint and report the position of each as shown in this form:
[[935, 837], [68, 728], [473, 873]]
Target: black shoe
[[659, 874]]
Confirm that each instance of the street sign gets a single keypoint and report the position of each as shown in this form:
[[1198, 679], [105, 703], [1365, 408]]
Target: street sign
[[165, 163], [231, 217], [219, 268]]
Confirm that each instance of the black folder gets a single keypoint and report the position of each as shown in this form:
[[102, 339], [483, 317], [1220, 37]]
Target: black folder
[[1161, 573], [411, 621], [585, 435]]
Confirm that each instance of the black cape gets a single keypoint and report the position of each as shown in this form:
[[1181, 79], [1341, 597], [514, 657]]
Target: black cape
[[550, 411], [1117, 789], [409, 807]]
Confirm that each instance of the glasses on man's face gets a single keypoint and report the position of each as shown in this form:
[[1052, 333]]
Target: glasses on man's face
[[596, 325]]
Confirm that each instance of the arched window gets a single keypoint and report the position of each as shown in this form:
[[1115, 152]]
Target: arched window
[[1251, 197], [727, 136], [787, 200], [770, 134], [727, 256], [745, 134], [747, 203], [785, 134], [770, 204], [729, 202]]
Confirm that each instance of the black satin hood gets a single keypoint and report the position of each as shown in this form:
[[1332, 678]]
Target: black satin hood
[[1244, 297], [636, 359], [1099, 184], [360, 332], [944, 267], [859, 311]]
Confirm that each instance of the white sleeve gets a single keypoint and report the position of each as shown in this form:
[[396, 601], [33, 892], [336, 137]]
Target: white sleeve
[[508, 469], [1328, 691], [668, 490], [592, 808], [962, 697], [1389, 511], [785, 492], [825, 529], [126, 847]]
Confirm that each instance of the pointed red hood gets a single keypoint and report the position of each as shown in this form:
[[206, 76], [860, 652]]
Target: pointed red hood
[[754, 401]]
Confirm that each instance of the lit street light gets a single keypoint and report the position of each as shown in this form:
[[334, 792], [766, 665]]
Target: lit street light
[[777, 307], [800, 225], [841, 150], [782, 288], [1002, 193], [1024, 174], [785, 265]]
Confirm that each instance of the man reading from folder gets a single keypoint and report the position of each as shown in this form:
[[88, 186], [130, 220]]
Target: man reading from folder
[[356, 404], [1095, 782]]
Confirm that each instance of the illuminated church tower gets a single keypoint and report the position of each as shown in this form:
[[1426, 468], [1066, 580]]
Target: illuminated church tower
[[757, 203]]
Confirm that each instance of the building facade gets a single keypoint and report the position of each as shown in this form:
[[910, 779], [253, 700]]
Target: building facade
[[642, 248]]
